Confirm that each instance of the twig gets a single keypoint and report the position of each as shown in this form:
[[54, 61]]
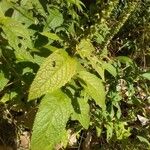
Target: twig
[[80, 141]]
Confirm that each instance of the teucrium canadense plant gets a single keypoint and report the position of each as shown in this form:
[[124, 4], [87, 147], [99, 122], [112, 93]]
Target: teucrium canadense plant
[[58, 53]]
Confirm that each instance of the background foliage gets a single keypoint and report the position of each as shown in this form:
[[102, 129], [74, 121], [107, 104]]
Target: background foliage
[[84, 64]]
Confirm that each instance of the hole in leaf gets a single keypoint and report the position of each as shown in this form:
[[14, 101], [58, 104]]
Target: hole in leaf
[[53, 63]]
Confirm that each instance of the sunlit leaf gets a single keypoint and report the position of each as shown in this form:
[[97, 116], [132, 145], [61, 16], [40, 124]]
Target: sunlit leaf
[[52, 36], [146, 75], [144, 140], [110, 68], [94, 87], [55, 18], [54, 73], [3, 81], [125, 60], [50, 123], [85, 48], [81, 111]]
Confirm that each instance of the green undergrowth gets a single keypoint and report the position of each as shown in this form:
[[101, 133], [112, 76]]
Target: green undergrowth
[[85, 65]]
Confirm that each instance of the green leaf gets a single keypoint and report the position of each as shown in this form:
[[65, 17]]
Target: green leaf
[[81, 111], [55, 19], [38, 5], [97, 67], [8, 97], [94, 87], [14, 29], [4, 6], [144, 140], [146, 75], [50, 122], [98, 131], [3, 81], [109, 130], [52, 36], [19, 12], [85, 48], [23, 15], [110, 68], [125, 60], [121, 130], [18, 37], [78, 3], [54, 73], [100, 71]]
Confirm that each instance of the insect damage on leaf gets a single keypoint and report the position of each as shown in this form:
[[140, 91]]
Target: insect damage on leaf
[[54, 73]]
